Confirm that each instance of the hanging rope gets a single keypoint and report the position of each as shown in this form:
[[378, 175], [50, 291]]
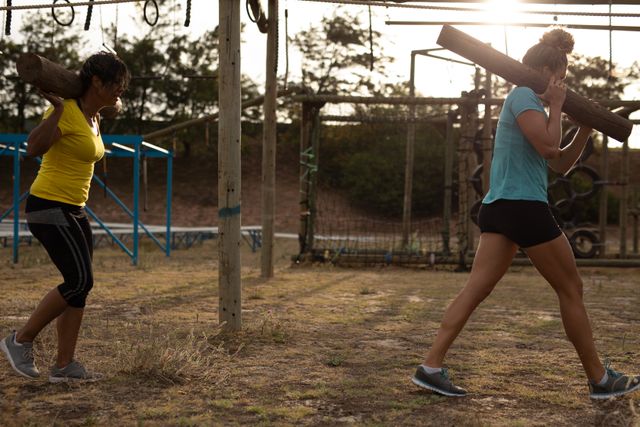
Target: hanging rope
[[55, 18], [276, 22], [7, 25], [370, 41], [251, 11], [610, 45], [187, 19], [145, 13], [87, 22], [257, 15], [67, 4], [286, 46], [468, 9]]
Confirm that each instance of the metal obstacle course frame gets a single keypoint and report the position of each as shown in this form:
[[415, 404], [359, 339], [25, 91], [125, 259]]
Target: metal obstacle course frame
[[122, 146]]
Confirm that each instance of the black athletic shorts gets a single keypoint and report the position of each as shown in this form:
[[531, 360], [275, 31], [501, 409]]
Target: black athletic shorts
[[525, 222]]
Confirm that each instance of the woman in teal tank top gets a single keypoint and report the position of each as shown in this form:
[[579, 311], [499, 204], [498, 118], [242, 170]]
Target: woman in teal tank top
[[515, 213]]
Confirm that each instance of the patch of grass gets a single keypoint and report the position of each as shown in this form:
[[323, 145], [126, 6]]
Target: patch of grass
[[335, 360], [367, 291], [170, 358], [318, 392]]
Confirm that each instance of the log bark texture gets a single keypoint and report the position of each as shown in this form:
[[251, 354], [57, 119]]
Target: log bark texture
[[581, 109], [51, 77]]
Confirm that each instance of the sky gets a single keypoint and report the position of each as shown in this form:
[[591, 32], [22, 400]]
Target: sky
[[434, 77]]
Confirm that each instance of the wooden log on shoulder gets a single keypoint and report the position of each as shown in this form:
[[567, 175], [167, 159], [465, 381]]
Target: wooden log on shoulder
[[54, 78], [581, 109]]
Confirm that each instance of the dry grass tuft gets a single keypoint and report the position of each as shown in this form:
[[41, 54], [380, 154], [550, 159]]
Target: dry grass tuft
[[171, 358]]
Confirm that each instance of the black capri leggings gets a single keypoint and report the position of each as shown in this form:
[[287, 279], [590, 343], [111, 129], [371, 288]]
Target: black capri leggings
[[525, 222], [65, 233]]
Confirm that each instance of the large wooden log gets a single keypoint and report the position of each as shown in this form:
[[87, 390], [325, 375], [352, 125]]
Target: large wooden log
[[582, 109], [54, 78]]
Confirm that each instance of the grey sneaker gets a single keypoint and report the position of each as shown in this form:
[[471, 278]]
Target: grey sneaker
[[74, 371], [438, 382], [617, 385], [20, 356]]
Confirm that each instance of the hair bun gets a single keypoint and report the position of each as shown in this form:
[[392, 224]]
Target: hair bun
[[558, 38]]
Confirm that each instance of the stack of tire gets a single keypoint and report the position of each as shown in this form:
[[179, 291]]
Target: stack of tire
[[567, 195]]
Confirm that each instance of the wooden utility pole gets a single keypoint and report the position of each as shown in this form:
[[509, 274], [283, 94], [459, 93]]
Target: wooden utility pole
[[581, 109], [269, 137], [409, 159], [229, 182], [604, 199], [624, 198], [450, 149], [487, 136]]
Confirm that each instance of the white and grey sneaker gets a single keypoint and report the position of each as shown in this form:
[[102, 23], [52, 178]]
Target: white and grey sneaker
[[438, 382], [20, 356], [74, 371], [617, 384]]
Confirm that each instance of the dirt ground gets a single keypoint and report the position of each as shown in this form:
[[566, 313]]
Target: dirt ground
[[320, 345]]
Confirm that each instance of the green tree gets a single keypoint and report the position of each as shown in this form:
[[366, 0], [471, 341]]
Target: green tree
[[336, 57], [42, 36]]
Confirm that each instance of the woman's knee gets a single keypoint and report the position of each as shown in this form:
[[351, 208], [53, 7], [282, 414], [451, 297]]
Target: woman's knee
[[75, 290], [572, 289]]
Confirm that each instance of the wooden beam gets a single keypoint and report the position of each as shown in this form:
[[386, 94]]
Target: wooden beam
[[51, 77], [269, 138], [229, 183], [407, 100], [571, 2], [578, 107], [518, 24]]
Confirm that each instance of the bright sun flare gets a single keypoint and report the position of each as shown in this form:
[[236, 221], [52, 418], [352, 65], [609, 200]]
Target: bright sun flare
[[502, 11]]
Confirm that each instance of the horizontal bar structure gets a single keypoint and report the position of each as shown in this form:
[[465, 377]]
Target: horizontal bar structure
[[130, 146], [519, 24], [438, 7], [407, 100], [580, 108], [213, 117], [566, 2]]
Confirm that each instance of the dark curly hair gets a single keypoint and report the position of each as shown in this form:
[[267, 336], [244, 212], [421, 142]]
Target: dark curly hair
[[107, 67], [550, 51]]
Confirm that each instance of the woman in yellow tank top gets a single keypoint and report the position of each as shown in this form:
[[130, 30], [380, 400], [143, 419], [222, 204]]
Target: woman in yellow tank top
[[69, 141]]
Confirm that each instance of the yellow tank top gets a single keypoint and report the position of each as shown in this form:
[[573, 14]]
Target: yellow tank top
[[66, 169]]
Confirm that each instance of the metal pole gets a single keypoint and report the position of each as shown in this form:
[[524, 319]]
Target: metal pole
[[169, 197], [136, 199], [269, 144], [408, 170], [229, 178], [16, 198]]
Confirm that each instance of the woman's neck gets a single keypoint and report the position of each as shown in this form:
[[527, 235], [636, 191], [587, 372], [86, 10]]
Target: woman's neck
[[89, 105]]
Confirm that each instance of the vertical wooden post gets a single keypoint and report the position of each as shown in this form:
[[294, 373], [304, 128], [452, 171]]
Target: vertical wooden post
[[624, 180], [408, 169], [269, 136], [306, 158], [448, 182], [471, 158], [634, 210], [313, 184], [604, 199], [229, 183], [487, 136], [463, 189]]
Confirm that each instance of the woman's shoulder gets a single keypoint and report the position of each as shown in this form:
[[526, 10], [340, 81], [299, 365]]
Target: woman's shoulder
[[522, 91]]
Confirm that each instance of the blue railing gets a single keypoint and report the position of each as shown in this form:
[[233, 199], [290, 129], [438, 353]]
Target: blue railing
[[129, 146]]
